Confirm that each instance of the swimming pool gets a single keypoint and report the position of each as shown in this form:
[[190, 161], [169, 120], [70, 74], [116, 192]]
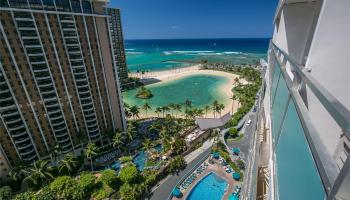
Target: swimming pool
[[211, 187]]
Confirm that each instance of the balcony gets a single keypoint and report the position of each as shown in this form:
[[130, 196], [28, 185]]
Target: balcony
[[29, 157], [5, 98], [58, 123], [13, 121], [2, 92], [38, 62], [15, 128], [27, 29], [18, 133], [26, 151], [10, 113], [29, 19], [42, 70], [21, 140], [53, 114], [25, 146]]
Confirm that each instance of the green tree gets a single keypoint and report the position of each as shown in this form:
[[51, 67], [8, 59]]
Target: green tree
[[176, 164], [206, 109], [65, 187], [179, 146], [130, 192], [68, 164], [90, 151], [55, 151], [233, 132], [147, 145], [131, 131], [146, 107], [135, 111], [158, 110], [215, 107], [118, 140], [178, 109], [165, 109], [19, 170], [129, 173], [39, 173], [188, 103], [5, 192], [109, 177], [233, 98]]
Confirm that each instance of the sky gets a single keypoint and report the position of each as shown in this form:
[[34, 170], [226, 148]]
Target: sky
[[173, 19]]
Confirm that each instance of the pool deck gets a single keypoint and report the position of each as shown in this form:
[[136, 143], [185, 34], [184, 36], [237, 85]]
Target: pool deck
[[219, 170]]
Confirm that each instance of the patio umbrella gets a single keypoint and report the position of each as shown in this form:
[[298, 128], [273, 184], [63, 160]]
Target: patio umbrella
[[236, 176], [176, 192], [236, 150], [233, 197], [216, 155]]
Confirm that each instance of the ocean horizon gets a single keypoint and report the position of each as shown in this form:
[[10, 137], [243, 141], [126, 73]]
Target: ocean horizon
[[163, 54]]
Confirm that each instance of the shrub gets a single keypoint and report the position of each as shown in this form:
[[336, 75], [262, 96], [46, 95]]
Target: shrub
[[102, 193], [233, 132], [29, 195], [44, 194], [125, 159], [5, 192], [131, 192], [129, 173]]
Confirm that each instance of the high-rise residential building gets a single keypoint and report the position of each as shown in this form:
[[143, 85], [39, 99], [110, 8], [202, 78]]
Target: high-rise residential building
[[305, 120], [115, 26], [57, 79]]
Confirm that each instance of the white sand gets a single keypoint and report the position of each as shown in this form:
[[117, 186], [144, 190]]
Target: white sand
[[168, 75]]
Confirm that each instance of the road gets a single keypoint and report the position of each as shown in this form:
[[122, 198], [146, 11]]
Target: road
[[165, 188]]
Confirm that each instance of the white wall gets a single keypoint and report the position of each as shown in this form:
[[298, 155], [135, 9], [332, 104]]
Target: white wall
[[329, 59]]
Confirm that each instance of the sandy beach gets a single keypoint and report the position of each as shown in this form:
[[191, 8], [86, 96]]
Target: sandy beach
[[168, 75]]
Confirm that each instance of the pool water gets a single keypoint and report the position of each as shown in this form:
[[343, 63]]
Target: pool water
[[140, 160], [211, 187]]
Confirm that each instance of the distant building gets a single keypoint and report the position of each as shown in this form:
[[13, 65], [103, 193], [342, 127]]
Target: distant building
[[57, 80], [115, 27]]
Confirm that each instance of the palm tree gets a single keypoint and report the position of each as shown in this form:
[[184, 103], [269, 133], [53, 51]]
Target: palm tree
[[163, 134], [131, 131], [188, 103], [135, 111], [165, 109], [39, 172], [55, 151], [236, 80], [214, 107], [147, 144], [158, 110], [233, 98], [68, 163], [19, 170], [90, 151], [177, 107], [146, 107], [220, 108], [206, 109], [172, 107], [118, 140]]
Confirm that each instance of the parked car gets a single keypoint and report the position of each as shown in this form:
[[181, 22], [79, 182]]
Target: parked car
[[248, 122]]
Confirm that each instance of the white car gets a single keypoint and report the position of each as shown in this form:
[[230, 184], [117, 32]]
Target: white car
[[248, 122]]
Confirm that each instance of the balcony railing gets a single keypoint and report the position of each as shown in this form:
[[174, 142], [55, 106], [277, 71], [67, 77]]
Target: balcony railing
[[325, 164]]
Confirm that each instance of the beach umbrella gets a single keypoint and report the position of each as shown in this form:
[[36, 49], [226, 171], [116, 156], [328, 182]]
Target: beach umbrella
[[233, 197], [176, 192], [236, 150], [236, 176]]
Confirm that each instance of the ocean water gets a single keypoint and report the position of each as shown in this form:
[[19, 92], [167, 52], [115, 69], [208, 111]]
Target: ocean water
[[155, 55], [200, 89]]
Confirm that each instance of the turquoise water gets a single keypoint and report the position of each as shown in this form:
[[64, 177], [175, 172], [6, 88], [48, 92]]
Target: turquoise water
[[140, 160], [155, 55], [211, 187], [200, 89]]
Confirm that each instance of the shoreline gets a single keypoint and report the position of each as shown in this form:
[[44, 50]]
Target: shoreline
[[159, 77]]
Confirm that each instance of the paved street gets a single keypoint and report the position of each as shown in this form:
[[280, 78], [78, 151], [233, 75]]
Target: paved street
[[166, 187], [245, 144]]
